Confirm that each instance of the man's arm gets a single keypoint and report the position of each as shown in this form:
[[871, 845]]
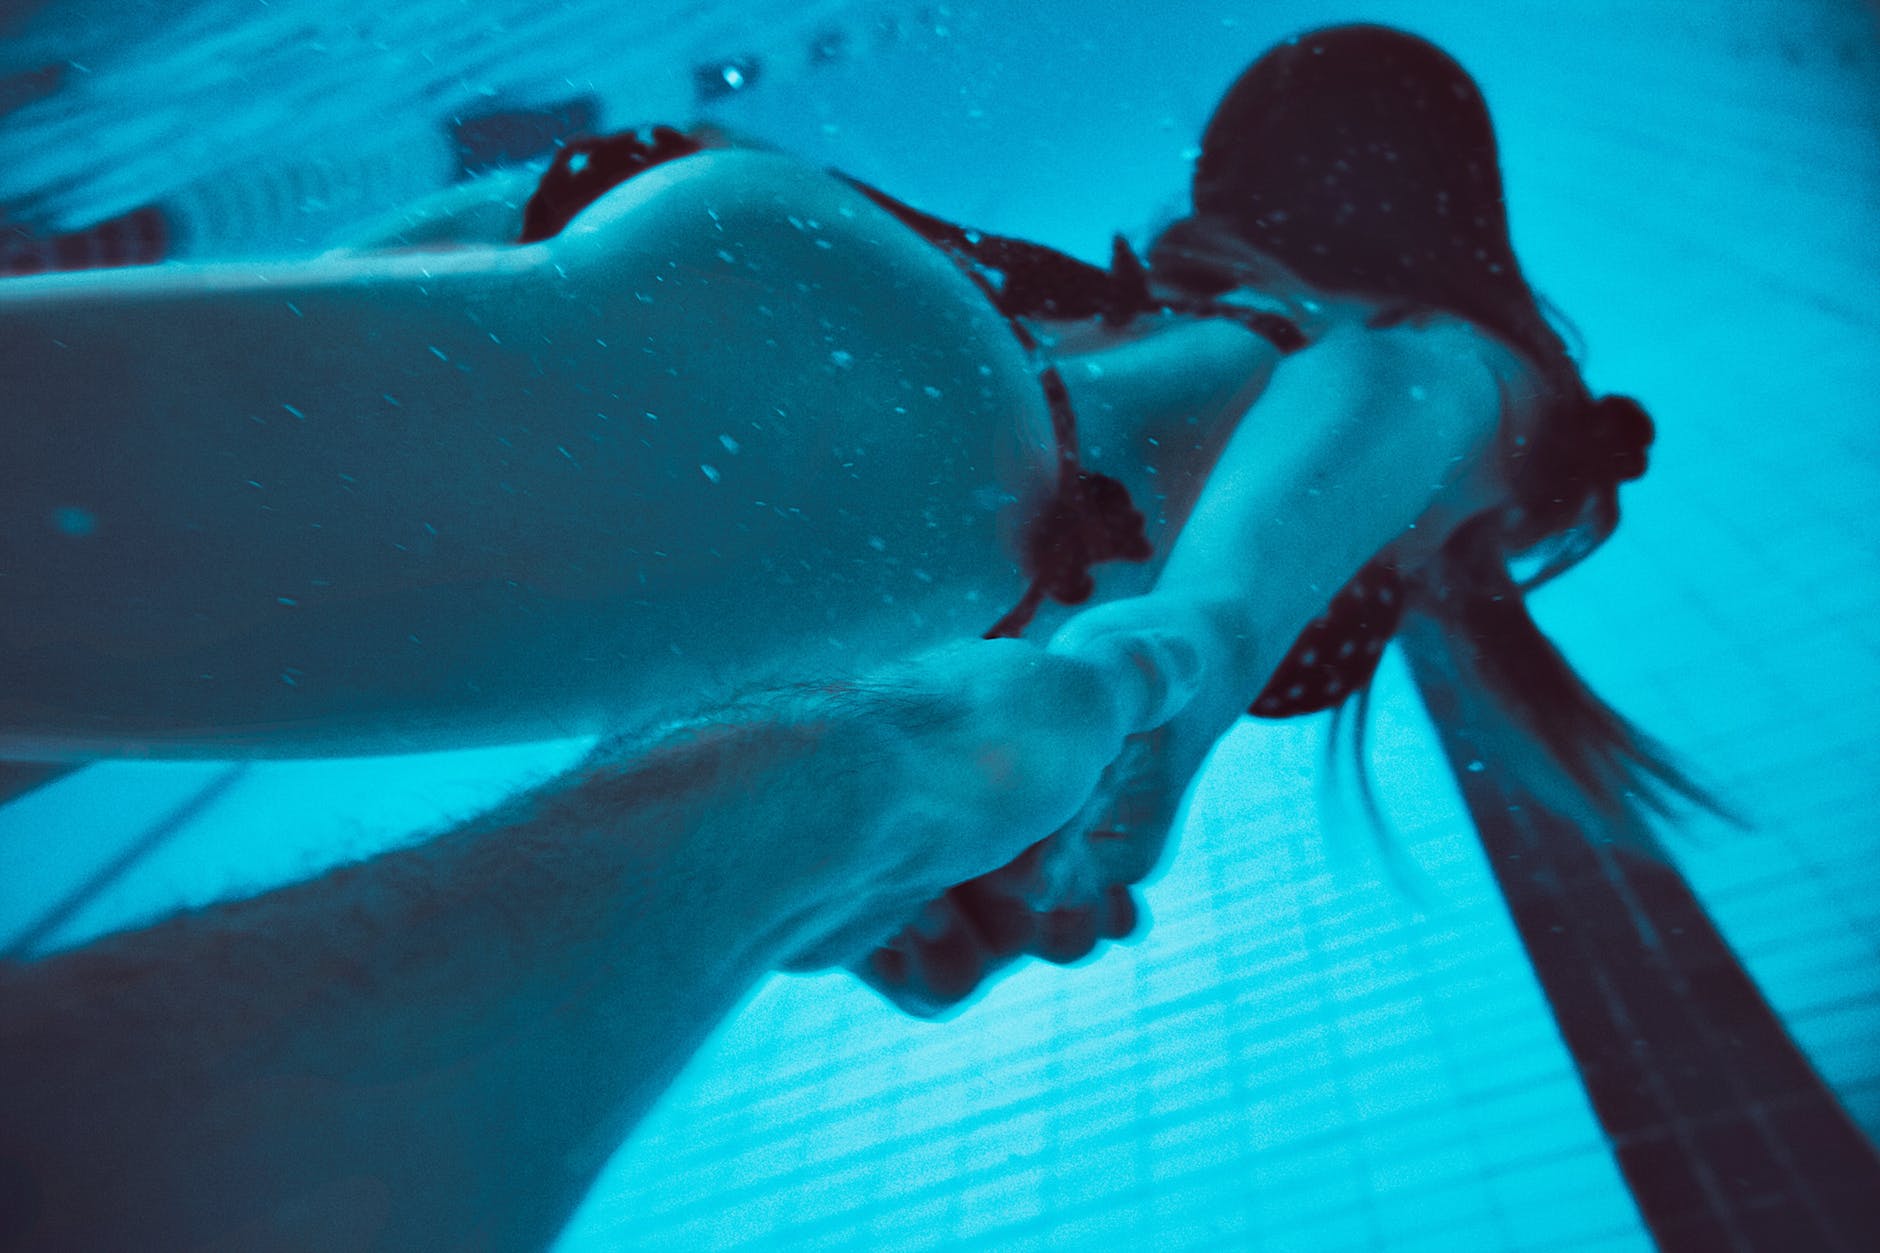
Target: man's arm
[[436, 1048], [440, 1047]]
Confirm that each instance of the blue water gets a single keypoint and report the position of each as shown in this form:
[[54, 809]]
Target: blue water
[[1289, 1057]]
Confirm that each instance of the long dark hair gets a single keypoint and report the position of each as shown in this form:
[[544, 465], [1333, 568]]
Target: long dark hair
[[1362, 160]]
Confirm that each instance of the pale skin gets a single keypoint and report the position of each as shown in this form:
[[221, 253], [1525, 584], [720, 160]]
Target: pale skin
[[441, 1046]]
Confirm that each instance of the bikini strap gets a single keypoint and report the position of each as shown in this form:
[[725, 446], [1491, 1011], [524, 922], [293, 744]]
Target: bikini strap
[[1090, 517], [587, 168], [1030, 280]]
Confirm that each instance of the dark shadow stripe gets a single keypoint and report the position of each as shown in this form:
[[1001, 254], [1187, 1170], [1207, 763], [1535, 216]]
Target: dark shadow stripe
[[154, 837], [18, 778], [1725, 1134]]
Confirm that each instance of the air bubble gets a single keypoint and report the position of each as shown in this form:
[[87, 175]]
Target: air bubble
[[74, 521]]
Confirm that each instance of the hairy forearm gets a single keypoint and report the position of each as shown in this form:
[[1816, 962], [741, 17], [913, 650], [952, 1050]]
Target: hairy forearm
[[435, 1048], [439, 1048]]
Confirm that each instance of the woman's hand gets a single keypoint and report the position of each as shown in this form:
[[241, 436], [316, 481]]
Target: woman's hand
[[1002, 744], [1062, 896], [1063, 886], [1057, 900]]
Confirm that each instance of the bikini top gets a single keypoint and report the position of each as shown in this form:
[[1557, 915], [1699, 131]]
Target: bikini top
[[1089, 517]]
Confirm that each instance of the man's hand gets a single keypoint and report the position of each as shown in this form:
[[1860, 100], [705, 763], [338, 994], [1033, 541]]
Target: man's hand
[[1057, 900], [999, 743], [1002, 744], [1110, 799], [1061, 897]]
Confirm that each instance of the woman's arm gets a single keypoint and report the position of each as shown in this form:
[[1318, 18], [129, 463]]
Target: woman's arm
[[440, 1047], [1367, 441]]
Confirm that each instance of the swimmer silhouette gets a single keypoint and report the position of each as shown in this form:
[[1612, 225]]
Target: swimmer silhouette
[[722, 417], [691, 416]]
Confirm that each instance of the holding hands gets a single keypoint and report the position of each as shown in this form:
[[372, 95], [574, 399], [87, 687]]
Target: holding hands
[[1043, 784]]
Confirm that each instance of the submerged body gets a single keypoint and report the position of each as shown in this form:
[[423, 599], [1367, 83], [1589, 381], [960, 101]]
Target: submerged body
[[734, 423], [545, 971]]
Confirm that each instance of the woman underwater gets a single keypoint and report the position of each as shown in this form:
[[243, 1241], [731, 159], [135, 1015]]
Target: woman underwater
[[733, 418]]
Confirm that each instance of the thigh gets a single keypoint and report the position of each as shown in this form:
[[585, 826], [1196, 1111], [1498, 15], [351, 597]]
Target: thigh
[[734, 418]]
